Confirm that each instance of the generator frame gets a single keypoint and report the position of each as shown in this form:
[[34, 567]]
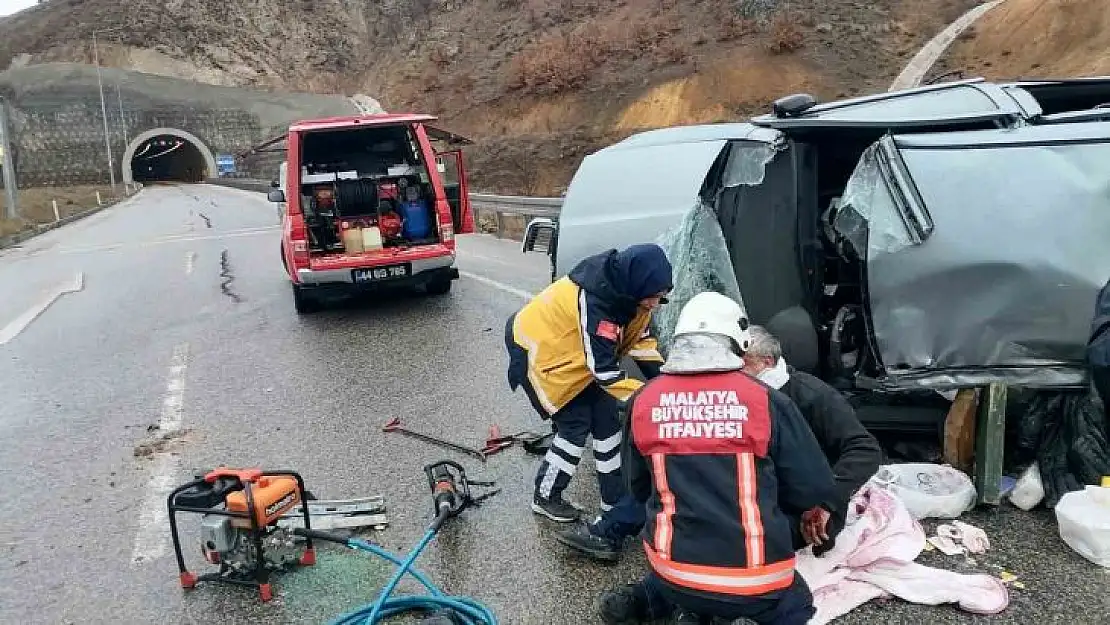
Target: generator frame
[[245, 478]]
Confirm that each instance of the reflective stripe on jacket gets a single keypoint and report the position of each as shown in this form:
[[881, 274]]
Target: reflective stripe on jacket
[[727, 458], [571, 342]]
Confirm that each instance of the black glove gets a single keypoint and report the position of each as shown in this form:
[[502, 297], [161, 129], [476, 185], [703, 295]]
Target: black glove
[[624, 413], [649, 369]]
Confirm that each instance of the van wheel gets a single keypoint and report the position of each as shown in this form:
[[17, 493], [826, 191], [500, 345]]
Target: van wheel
[[303, 303], [438, 287]]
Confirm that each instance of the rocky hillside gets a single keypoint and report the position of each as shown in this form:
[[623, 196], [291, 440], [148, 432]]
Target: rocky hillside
[[1036, 38], [538, 82]]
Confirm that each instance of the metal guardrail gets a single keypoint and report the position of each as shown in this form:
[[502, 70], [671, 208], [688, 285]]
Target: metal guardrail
[[520, 205], [497, 205], [501, 205]]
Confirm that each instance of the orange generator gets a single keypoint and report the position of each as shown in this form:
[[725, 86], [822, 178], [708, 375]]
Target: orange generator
[[240, 508]]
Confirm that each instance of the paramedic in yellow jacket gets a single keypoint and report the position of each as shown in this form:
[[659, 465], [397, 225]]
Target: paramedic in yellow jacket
[[565, 348]]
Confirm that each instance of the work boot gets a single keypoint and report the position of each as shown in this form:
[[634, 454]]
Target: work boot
[[557, 509], [622, 606], [582, 538]]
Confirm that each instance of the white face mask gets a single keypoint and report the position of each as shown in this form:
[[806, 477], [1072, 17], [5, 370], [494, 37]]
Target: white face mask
[[775, 376]]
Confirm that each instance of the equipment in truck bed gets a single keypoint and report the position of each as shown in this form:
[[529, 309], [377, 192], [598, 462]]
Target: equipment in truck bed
[[368, 203]]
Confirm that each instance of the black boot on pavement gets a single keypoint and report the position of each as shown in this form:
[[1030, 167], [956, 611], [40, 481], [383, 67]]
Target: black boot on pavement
[[622, 606], [581, 538], [557, 509]]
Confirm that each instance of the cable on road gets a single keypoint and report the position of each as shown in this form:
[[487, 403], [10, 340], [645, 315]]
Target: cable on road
[[469, 610], [450, 496]]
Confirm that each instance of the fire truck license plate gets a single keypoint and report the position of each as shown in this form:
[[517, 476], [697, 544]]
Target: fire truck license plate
[[379, 274]]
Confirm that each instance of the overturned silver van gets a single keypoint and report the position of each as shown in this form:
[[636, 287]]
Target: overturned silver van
[[898, 244]]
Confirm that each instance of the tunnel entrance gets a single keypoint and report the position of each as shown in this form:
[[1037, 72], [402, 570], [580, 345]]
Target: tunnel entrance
[[167, 155]]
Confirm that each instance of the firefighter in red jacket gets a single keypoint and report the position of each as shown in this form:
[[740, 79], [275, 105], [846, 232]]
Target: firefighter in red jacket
[[721, 460]]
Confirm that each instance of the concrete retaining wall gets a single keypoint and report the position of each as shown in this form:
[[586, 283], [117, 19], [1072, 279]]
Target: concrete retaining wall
[[58, 128]]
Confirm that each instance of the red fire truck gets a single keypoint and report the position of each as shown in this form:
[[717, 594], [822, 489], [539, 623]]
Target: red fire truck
[[370, 202]]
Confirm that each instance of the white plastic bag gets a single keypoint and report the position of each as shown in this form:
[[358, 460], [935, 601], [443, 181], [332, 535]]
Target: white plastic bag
[[1029, 490], [1084, 520], [928, 490]]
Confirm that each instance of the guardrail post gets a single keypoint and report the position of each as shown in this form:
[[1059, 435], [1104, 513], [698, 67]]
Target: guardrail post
[[500, 224]]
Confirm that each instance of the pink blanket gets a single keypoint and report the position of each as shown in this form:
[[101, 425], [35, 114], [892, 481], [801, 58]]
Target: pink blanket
[[874, 557]]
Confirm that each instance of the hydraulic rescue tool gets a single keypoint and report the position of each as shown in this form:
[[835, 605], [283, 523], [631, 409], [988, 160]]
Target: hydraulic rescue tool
[[395, 426], [450, 496], [241, 509], [495, 442], [533, 443]]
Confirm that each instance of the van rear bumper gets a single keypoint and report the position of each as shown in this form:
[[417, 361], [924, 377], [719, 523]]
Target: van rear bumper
[[424, 270]]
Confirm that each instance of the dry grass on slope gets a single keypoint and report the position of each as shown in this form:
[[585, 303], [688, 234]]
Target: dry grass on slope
[[1037, 38]]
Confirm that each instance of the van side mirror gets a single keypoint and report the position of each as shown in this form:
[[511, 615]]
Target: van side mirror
[[276, 195], [539, 235]]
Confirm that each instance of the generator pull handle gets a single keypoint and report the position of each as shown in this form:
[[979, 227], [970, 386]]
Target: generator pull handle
[[318, 535]]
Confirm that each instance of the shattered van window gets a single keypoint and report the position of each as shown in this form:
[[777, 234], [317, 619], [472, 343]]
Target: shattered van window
[[747, 163], [699, 255], [867, 216]]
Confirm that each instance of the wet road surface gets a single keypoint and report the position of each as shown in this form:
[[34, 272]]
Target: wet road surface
[[183, 327]]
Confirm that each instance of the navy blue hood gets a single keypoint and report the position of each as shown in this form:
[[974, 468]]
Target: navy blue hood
[[621, 279]]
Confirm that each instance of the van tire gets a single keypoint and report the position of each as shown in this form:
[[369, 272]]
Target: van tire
[[303, 303], [441, 286]]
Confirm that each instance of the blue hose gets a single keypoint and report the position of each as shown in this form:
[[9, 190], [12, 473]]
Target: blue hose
[[469, 610]]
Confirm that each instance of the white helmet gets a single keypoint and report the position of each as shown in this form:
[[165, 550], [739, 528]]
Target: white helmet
[[710, 312]]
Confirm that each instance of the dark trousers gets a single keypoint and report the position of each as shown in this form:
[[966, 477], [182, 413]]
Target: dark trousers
[[592, 413], [792, 606]]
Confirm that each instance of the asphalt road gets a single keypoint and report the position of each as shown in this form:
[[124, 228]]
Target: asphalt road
[[182, 319]]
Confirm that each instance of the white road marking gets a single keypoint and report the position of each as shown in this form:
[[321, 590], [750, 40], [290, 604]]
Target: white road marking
[[190, 262], [150, 540], [498, 285], [21, 322], [174, 402], [488, 259], [245, 232]]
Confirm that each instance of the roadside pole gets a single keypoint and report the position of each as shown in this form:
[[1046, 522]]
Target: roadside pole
[[10, 190], [104, 115]]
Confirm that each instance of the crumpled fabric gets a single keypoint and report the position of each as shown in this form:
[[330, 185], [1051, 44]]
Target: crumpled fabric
[[1066, 433], [874, 557], [701, 353], [973, 539]]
